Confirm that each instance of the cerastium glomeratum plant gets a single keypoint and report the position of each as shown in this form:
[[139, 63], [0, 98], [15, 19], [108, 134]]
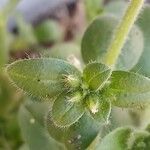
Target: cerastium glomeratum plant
[[80, 102]]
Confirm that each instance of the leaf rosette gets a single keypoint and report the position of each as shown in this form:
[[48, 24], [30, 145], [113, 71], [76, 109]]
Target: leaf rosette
[[72, 93]]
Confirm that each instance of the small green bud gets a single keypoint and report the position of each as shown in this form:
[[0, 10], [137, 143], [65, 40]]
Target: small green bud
[[93, 103], [72, 81]]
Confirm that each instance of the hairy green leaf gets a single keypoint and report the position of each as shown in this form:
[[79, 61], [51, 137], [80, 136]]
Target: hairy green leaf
[[67, 109], [129, 89], [116, 140], [96, 75], [98, 36], [41, 77]]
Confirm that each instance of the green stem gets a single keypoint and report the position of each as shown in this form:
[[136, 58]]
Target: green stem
[[122, 32]]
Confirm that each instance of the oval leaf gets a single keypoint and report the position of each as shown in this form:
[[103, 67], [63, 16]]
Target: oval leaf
[[129, 89], [98, 36], [96, 75], [65, 112], [41, 77]]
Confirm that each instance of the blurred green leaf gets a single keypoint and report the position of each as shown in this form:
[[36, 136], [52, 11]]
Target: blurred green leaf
[[129, 89], [68, 51], [37, 109], [116, 140], [125, 138], [34, 133], [98, 36], [41, 78], [143, 22], [63, 51], [78, 136]]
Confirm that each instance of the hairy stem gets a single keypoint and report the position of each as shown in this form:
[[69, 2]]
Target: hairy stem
[[122, 32]]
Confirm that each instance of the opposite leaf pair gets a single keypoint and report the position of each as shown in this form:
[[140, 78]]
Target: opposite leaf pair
[[83, 93], [73, 92]]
